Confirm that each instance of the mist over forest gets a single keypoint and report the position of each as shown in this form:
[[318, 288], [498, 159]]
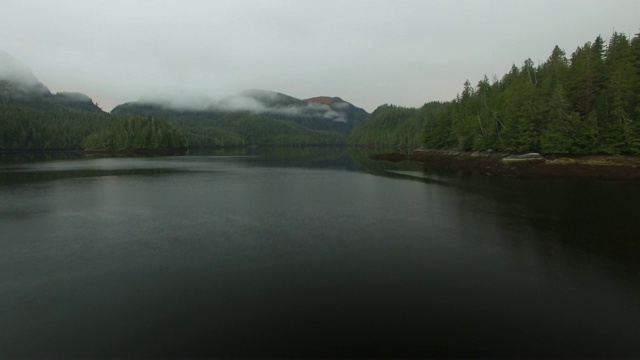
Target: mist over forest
[[585, 102]]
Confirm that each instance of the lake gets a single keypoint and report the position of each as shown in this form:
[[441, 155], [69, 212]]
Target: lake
[[311, 252]]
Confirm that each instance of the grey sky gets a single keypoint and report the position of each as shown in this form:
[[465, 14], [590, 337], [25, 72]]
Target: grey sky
[[367, 52]]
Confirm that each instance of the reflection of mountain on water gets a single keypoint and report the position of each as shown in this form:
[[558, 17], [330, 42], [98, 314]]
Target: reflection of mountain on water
[[360, 157], [329, 157]]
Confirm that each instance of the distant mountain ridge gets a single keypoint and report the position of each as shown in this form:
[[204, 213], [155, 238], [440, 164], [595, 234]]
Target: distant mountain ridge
[[35, 119], [17, 80], [17, 83], [252, 117], [318, 113]]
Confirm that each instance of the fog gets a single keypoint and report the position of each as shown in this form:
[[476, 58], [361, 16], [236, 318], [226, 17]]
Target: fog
[[13, 70], [255, 101], [368, 52]]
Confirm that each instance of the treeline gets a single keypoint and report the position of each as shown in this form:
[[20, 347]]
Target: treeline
[[587, 103]]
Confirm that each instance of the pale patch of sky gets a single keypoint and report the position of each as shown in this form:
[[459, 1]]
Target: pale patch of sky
[[405, 52]]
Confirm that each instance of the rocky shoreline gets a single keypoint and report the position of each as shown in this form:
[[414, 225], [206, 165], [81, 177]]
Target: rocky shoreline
[[604, 167]]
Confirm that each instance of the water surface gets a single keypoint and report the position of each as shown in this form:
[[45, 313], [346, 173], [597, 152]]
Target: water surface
[[311, 253]]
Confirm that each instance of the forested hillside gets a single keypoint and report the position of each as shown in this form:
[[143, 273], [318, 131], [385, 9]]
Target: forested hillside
[[394, 125], [256, 117], [214, 128], [40, 125], [318, 113], [585, 103], [32, 118], [37, 125], [65, 121]]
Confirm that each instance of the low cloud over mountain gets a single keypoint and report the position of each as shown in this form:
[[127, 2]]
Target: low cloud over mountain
[[263, 102], [17, 80]]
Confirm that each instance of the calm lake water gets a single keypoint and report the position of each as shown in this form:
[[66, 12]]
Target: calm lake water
[[311, 252]]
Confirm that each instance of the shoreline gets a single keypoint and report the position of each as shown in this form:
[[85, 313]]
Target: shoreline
[[93, 151], [602, 167]]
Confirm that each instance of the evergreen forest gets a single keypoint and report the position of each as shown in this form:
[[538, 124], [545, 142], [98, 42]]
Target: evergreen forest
[[584, 103]]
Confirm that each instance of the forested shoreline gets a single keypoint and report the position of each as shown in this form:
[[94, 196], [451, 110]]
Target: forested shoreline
[[587, 103], [583, 104]]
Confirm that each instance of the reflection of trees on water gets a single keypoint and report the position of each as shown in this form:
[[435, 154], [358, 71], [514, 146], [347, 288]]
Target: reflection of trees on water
[[21, 157], [329, 157], [363, 162]]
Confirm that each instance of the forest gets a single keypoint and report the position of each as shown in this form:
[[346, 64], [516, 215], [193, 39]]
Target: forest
[[38, 124], [585, 103], [40, 121]]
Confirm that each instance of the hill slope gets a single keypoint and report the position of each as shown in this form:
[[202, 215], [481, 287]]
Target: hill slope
[[392, 125], [336, 115], [32, 118], [256, 117]]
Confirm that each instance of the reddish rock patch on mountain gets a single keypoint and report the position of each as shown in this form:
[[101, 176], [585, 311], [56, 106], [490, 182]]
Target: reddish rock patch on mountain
[[326, 100]]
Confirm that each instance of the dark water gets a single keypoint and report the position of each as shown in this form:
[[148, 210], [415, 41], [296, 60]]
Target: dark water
[[311, 253]]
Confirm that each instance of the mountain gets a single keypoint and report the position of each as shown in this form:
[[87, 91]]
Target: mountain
[[32, 118], [234, 121], [315, 113], [354, 115], [268, 99], [17, 83], [75, 100], [35, 119]]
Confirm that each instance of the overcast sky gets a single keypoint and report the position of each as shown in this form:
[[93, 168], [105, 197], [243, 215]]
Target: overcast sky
[[367, 52]]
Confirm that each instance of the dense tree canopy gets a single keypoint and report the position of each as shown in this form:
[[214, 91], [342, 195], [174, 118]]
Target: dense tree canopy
[[393, 125], [33, 125], [583, 104], [137, 133]]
